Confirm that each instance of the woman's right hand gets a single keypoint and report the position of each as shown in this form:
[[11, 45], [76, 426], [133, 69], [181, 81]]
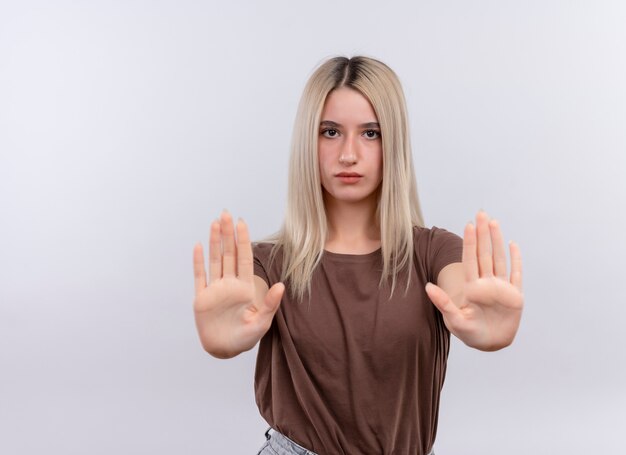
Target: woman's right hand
[[235, 309]]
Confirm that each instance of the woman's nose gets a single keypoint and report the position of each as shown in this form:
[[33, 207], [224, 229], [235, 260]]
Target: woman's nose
[[348, 152]]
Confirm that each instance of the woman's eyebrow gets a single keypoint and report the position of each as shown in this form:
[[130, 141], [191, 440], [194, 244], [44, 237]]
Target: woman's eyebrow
[[331, 124]]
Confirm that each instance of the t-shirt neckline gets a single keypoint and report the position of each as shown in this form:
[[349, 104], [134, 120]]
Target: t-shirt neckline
[[345, 257]]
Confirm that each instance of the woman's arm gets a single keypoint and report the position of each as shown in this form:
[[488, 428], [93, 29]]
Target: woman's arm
[[480, 304]]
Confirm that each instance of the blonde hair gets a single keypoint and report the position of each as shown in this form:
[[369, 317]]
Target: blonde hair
[[303, 234]]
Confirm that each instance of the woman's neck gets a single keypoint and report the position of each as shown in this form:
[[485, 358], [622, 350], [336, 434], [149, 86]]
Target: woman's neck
[[352, 227]]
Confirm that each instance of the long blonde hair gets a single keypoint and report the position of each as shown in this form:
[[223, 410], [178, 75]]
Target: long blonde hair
[[303, 234]]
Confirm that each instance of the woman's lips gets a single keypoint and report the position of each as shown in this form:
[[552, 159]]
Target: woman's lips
[[349, 177]]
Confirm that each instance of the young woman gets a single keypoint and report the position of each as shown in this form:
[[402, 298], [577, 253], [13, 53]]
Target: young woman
[[354, 300]]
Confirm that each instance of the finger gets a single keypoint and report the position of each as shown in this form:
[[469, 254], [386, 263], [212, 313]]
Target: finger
[[272, 299], [199, 273], [516, 265], [470, 264], [499, 253], [443, 303], [484, 250], [215, 252], [245, 261], [228, 244]]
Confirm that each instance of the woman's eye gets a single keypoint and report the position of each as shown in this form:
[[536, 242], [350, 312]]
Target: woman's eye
[[330, 132], [372, 134]]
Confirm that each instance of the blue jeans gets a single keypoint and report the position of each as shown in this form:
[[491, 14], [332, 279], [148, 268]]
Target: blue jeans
[[279, 444]]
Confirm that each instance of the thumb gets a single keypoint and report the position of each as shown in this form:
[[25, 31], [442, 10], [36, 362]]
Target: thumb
[[442, 301], [273, 297]]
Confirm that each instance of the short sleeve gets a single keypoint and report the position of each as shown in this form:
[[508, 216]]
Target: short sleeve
[[444, 248], [261, 252]]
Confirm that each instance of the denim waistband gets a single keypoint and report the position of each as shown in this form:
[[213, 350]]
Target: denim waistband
[[282, 445]]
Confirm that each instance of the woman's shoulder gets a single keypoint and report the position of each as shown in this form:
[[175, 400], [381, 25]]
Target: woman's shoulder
[[263, 248], [423, 234], [435, 241]]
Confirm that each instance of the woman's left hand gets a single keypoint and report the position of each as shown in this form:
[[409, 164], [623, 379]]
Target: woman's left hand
[[480, 304]]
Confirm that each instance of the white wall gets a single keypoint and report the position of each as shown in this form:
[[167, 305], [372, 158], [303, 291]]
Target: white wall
[[126, 126]]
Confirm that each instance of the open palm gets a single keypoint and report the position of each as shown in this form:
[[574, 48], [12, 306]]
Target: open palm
[[487, 312], [232, 312]]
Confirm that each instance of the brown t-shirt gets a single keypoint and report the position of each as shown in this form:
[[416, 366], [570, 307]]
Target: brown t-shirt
[[348, 371]]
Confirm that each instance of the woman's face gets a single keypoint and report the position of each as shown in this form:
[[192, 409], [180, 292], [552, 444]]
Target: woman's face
[[350, 148]]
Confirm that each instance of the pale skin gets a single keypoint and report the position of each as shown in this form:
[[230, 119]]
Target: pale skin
[[481, 303]]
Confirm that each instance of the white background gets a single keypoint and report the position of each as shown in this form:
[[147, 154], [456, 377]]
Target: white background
[[126, 127]]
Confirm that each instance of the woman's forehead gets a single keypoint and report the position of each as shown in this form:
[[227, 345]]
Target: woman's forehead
[[345, 106]]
